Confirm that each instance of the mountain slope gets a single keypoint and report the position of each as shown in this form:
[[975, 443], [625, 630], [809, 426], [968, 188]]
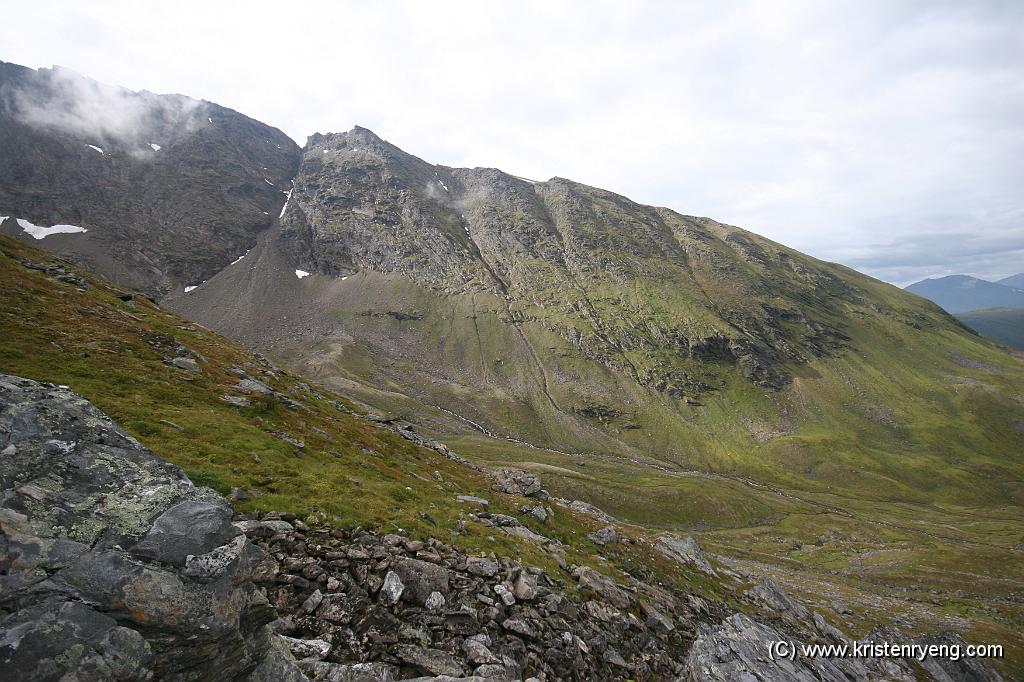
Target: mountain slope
[[1016, 281], [572, 319], [170, 189], [849, 437], [1001, 324], [960, 293], [300, 449]]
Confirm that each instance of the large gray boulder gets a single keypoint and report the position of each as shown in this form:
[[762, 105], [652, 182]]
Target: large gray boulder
[[685, 550], [738, 649], [516, 482], [420, 579], [113, 566]]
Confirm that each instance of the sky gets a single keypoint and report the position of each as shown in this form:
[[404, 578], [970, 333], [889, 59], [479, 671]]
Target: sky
[[888, 136]]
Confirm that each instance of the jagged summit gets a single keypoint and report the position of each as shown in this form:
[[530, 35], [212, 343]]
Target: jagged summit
[[167, 189]]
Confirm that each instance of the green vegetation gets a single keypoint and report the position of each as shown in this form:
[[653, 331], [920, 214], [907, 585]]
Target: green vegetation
[[1002, 324], [885, 478], [348, 470]]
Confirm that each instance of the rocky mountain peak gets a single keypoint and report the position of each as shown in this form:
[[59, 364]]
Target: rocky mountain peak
[[167, 190]]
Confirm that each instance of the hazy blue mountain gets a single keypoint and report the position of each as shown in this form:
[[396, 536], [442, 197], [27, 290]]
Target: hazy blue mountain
[[960, 293], [1016, 281]]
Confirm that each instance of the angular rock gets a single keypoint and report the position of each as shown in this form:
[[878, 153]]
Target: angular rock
[[335, 608], [525, 587], [606, 536], [477, 650], [321, 671], [516, 482], [307, 648], [685, 550], [420, 579], [183, 599], [391, 590], [769, 594], [603, 586], [435, 601], [187, 364], [527, 534], [433, 661], [505, 594], [253, 386], [484, 568], [236, 400], [737, 650], [536, 511], [590, 510], [520, 627], [471, 499]]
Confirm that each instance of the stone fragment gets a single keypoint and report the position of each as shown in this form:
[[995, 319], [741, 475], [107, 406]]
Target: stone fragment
[[606, 536], [420, 579], [307, 648], [603, 586], [484, 568], [516, 482], [392, 588], [685, 550]]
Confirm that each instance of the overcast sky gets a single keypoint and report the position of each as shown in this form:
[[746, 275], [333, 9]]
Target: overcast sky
[[888, 136]]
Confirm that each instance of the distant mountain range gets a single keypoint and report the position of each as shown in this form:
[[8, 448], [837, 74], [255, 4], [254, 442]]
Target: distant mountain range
[[993, 309], [961, 293]]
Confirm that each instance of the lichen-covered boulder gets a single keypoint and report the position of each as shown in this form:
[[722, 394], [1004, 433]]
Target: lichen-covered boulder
[[113, 566], [517, 482]]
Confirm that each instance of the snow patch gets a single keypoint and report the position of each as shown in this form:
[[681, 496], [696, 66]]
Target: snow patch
[[440, 181], [344, 278], [155, 147], [210, 119], [241, 257], [301, 273], [284, 208], [268, 182], [92, 146], [38, 231], [190, 288]]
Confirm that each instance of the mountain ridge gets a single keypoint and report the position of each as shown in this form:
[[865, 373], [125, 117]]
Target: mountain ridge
[[962, 293], [170, 189], [808, 421]]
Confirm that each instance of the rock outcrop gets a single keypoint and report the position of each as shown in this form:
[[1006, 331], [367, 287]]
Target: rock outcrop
[[114, 566]]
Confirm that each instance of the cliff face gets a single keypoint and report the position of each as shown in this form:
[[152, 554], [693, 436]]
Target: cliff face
[[170, 189], [642, 290]]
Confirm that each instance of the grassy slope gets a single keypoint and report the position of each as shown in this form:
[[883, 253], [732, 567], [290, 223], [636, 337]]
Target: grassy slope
[[891, 472], [349, 470], [1002, 324]]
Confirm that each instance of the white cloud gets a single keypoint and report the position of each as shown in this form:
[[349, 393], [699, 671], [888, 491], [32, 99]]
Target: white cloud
[[849, 130]]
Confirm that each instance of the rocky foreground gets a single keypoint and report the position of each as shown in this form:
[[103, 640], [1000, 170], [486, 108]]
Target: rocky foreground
[[115, 567]]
